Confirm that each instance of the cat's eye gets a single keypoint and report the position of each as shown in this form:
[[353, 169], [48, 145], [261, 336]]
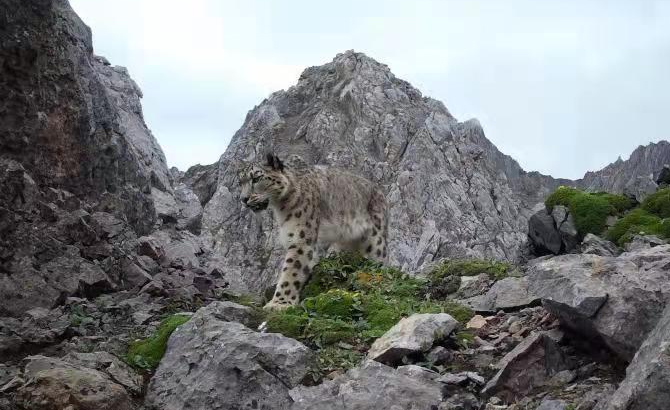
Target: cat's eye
[[255, 179]]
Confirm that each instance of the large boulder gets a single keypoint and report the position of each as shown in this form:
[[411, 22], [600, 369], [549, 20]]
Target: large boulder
[[543, 233], [53, 384], [211, 363], [414, 334], [617, 300], [552, 232], [647, 382], [371, 385]]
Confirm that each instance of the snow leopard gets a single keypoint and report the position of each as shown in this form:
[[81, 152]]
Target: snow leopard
[[316, 208]]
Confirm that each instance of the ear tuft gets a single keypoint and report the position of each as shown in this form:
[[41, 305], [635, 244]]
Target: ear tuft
[[274, 162]]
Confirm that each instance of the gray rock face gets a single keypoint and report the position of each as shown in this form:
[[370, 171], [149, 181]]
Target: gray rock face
[[645, 163], [413, 334], [526, 367], [452, 192], [84, 131], [595, 245], [81, 174], [508, 293], [616, 299], [372, 385], [647, 383], [237, 367]]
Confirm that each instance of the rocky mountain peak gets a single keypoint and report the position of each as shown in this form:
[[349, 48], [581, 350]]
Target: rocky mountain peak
[[454, 192]]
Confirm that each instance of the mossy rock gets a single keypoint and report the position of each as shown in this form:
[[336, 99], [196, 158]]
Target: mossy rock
[[147, 353], [589, 210]]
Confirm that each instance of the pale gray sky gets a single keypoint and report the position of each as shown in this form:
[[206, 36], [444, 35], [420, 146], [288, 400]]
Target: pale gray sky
[[562, 86]]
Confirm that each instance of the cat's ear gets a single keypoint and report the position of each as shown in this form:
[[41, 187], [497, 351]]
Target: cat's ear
[[274, 162]]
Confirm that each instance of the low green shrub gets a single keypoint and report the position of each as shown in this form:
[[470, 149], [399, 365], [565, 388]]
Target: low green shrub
[[638, 221], [658, 203], [589, 210]]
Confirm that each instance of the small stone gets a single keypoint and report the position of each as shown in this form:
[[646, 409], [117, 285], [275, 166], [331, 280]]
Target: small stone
[[514, 327], [413, 334], [548, 404], [477, 322], [440, 355], [562, 378]]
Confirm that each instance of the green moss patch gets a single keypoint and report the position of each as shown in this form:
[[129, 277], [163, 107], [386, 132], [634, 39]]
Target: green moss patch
[[589, 210], [349, 302], [147, 353]]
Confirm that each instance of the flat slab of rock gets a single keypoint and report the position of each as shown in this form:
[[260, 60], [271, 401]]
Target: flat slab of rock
[[372, 385], [53, 384], [647, 382], [110, 365], [549, 404], [596, 245], [526, 367], [413, 334], [215, 364], [615, 299], [505, 294]]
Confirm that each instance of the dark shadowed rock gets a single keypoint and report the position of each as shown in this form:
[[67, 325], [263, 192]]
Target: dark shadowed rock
[[615, 299], [542, 231], [663, 179], [526, 367], [371, 385], [565, 223], [236, 366], [647, 383]]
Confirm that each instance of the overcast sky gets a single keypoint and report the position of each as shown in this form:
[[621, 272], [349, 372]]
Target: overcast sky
[[562, 86]]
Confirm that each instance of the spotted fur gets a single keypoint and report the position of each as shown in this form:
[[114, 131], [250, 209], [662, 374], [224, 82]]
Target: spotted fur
[[316, 208]]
